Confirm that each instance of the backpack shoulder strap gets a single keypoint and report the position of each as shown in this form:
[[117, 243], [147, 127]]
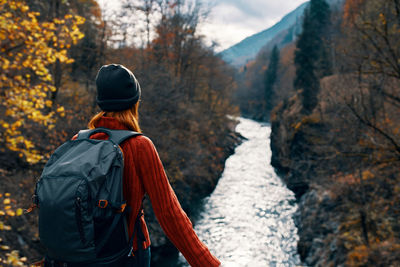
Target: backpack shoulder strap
[[116, 136], [119, 136]]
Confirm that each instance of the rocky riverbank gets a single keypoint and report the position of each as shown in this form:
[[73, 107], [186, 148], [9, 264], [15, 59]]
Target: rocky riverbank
[[345, 202], [294, 156]]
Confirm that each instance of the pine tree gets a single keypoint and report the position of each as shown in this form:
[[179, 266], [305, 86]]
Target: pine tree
[[270, 78], [311, 60]]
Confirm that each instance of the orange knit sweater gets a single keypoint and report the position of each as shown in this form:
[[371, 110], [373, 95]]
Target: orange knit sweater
[[144, 173]]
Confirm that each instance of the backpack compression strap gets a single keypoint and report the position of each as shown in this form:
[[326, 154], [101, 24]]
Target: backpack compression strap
[[116, 136]]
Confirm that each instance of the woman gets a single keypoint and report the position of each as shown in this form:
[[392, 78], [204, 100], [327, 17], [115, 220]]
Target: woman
[[118, 94]]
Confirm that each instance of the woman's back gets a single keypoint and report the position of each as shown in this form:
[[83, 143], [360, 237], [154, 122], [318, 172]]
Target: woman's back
[[144, 174]]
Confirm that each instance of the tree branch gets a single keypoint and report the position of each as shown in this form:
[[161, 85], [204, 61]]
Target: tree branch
[[378, 130]]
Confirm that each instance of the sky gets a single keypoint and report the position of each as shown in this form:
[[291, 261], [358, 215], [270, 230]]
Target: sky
[[231, 21]]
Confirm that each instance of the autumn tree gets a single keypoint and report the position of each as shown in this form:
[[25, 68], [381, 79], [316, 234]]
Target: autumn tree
[[347, 150], [362, 107], [372, 50], [28, 48], [146, 10], [89, 53]]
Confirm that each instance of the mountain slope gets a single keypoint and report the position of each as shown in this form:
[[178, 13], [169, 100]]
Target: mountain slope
[[247, 49]]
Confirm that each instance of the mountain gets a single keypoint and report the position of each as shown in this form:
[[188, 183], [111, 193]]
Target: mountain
[[246, 50], [282, 33]]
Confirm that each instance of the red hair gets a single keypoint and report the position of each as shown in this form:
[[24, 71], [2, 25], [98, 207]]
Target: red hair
[[128, 117]]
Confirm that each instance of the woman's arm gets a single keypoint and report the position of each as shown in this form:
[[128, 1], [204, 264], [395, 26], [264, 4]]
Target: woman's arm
[[167, 209]]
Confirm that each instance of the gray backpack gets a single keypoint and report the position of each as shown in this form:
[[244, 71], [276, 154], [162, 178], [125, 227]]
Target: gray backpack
[[82, 211]]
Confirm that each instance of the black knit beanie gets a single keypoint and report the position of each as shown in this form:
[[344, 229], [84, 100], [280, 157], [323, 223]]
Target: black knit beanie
[[117, 88]]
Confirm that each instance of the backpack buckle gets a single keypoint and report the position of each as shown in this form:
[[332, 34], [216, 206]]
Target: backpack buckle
[[102, 203], [31, 208], [34, 204], [122, 208]]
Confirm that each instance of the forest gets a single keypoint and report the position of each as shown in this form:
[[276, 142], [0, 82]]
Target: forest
[[333, 100], [50, 52]]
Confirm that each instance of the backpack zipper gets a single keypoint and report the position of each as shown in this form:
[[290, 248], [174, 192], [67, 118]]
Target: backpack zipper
[[78, 213]]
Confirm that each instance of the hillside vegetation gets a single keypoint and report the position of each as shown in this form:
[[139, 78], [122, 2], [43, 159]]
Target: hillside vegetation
[[336, 130]]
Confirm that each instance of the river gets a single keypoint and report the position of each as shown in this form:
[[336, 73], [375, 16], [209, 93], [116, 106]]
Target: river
[[247, 220]]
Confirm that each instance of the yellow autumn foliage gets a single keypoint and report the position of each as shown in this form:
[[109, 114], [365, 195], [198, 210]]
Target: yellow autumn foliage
[[12, 257], [28, 48]]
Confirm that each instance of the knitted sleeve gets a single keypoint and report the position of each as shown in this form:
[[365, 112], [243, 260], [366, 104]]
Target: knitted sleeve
[[167, 209]]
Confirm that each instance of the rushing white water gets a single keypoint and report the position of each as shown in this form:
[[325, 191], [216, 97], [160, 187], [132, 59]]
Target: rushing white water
[[247, 220]]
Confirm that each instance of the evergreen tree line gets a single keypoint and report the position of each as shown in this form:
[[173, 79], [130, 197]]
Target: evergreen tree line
[[261, 80], [312, 57]]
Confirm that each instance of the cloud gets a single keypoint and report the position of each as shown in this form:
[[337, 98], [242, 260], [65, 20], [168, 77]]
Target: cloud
[[231, 21], [262, 8]]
